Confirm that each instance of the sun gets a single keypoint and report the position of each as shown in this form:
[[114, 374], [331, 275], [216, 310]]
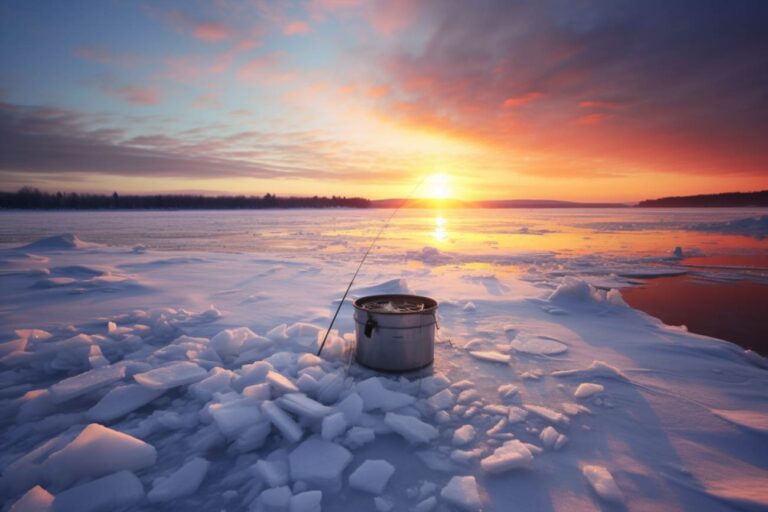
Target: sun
[[437, 186]]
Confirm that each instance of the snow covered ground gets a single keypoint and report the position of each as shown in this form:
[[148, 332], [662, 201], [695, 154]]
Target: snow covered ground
[[139, 377]]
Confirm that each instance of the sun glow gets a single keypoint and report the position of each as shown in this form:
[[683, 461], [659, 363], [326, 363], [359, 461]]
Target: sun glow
[[437, 186]]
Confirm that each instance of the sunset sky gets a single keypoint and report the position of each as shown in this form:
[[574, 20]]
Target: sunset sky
[[574, 100]]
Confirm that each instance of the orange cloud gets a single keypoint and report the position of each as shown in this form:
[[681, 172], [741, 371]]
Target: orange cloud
[[522, 100], [592, 119]]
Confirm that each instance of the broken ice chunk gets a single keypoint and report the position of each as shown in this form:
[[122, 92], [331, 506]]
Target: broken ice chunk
[[284, 423], [235, 416], [36, 499], [116, 491], [274, 473], [122, 400], [376, 396], [83, 383], [551, 438], [490, 356], [462, 492], [299, 403], [98, 451], [307, 501], [511, 455], [171, 376], [281, 383], [412, 429], [371, 476], [602, 482], [516, 414], [319, 463], [352, 407], [548, 414], [333, 426], [358, 436], [587, 389], [182, 482], [463, 435], [441, 400]]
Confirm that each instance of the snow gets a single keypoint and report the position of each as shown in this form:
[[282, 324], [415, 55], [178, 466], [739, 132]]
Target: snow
[[98, 451], [171, 376], [602, 482], [238, 385], [587, 389], [118, 490], [182, 482], [412, 429], [510, 455], [371, 476], [319, 463], [462, 492]]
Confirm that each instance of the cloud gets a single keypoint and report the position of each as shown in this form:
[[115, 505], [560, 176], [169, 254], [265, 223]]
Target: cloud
[[211, 31], [522, 100], [296, 27], [138, 95], [100, 55]]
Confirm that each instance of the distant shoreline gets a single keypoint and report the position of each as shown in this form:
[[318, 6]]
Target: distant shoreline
[[33, 199]]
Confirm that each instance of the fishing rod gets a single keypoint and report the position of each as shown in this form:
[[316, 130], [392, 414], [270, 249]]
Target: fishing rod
[[367, 252]]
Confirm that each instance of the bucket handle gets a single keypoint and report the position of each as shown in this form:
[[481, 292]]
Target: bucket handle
[[370, 325]]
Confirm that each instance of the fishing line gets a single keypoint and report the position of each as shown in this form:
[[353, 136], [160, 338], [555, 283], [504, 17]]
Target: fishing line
[[370, 247]]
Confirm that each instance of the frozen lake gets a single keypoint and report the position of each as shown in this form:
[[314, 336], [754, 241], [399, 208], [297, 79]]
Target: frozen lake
[[164, 360]]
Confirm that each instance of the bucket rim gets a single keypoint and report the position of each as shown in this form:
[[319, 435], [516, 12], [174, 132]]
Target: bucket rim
[[430, 304]]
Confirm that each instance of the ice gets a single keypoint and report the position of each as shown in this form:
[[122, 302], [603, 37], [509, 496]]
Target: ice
[[547, 413], [171, 376], [425, 505], [751, 420], [490, 355], [461, 491], [510, 455], [539, 346], [98, 451], [412, 429], [83, 383], [182, 482], [233, 417], [218, 380], [442, 400], [229, 342], [602, 482], [333, 426], [597, 369], [433, 384], [507, 390], [290, 430], [274, 473], [587, 389], [463, 435], [307, 501], [371, 476], [359, 436], [299, 403], [116, 491], [376, 396], [468, 395], [122, 400], [280, 383], [274, 500], [470, 307], [352, 407], [36, 499], [383, 504], [319, 463], [551, 438]]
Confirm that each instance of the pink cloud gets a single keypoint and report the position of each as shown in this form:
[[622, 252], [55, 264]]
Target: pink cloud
[[522, 100], [592, 119], [139, 95], [265, 69], [102, 56], [212, 32], [296, 27]]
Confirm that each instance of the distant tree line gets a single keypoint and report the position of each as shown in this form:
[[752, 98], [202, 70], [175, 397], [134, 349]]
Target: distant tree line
[[730, 199], [32, 198]]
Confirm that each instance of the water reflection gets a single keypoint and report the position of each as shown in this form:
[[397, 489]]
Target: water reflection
[[440, 233]]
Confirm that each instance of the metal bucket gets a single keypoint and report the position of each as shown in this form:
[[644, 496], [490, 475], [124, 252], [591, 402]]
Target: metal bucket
[[397, 338]]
